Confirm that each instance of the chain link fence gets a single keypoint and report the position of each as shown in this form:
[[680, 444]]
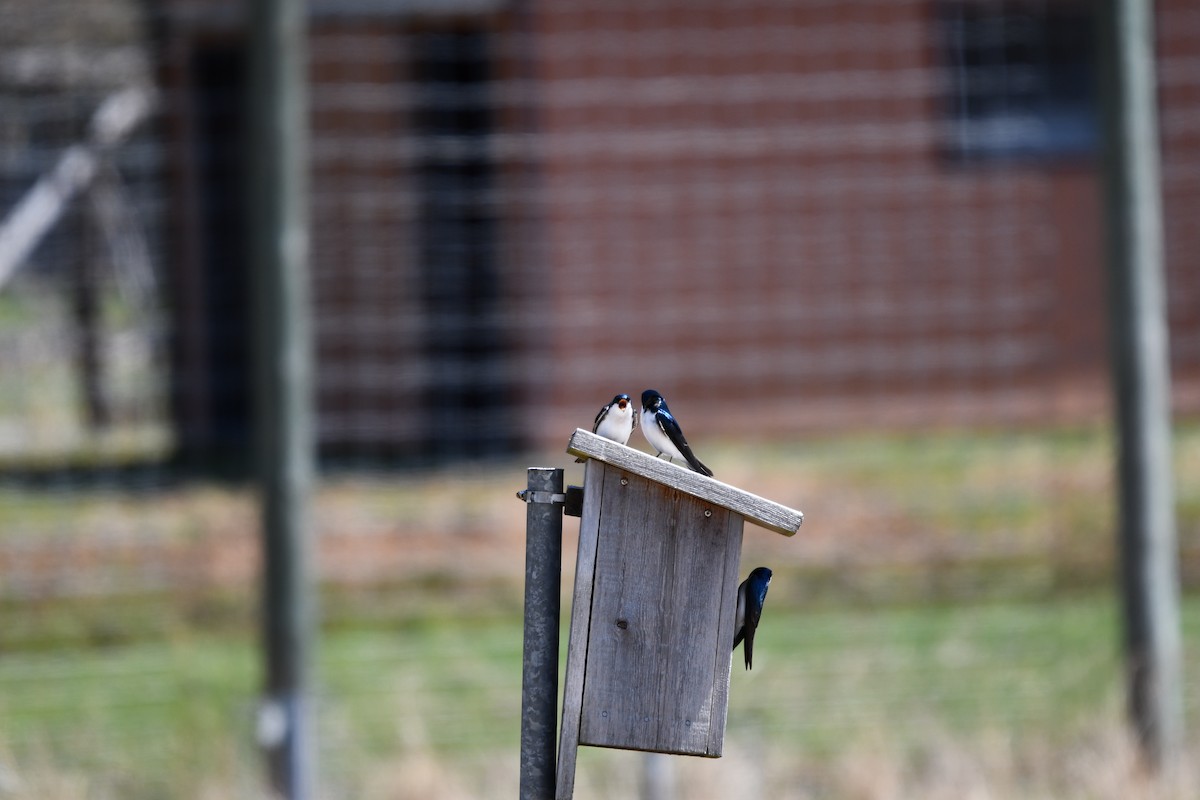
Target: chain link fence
[[857, 245]]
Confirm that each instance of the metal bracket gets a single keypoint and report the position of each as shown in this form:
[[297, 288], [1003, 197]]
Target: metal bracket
[[571, 500], [541, 497]]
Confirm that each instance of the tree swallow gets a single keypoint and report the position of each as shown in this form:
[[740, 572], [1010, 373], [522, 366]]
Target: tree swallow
[[615, 421], [750, 598], [663, 433]]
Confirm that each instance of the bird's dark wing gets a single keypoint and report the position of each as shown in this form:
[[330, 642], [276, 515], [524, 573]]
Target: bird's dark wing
[[754, 610], [600, 415], [670, 427], [756, 596], [737, 639]]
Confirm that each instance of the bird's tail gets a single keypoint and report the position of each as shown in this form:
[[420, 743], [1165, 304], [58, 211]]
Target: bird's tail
[[698, 466]]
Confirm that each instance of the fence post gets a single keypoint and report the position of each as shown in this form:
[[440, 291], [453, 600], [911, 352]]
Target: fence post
[[544, 500], [1141, 376], [278, 212], [658, 777]]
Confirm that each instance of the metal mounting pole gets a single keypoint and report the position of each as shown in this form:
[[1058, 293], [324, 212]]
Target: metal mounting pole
[[1141, 376], [278, 113], [539, 673]]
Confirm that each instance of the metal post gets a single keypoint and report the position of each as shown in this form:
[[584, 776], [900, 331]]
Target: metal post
[[283, 371], [658, 777], [1141, 374], [539, 673], [88, 324]]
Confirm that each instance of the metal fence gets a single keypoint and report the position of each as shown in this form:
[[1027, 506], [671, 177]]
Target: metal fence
[[857, 245]]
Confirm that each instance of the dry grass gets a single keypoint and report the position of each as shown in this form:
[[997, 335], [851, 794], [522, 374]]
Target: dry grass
[[1102, 764], [905, 505]]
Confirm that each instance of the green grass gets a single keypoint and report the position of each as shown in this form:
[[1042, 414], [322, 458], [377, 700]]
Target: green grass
[[1006, 665], [145, 720], [173, 717]]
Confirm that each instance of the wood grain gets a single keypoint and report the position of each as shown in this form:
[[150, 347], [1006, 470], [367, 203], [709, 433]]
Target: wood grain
[[581, 609], [724, 657], [657, 661]]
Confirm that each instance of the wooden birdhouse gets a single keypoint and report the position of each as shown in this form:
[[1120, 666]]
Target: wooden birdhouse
[[654, 604]]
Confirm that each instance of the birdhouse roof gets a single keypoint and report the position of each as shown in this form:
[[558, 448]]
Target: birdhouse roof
[[760, 511]]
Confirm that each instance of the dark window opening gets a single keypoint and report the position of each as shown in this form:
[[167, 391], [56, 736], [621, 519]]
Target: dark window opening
[[217, 426], [1020, 79], [468, 398]]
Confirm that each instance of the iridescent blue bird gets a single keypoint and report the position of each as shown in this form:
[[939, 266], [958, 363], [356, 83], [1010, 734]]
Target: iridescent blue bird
[[663, 432], [750, 598]]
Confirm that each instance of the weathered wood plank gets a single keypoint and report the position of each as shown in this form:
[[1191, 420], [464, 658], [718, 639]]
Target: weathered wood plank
[[724, 657], [581, 611], [657, 655], [760, 511]]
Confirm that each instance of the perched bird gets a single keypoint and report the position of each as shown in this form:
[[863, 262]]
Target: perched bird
[[615, 421], [663, 433], [750, 598]]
